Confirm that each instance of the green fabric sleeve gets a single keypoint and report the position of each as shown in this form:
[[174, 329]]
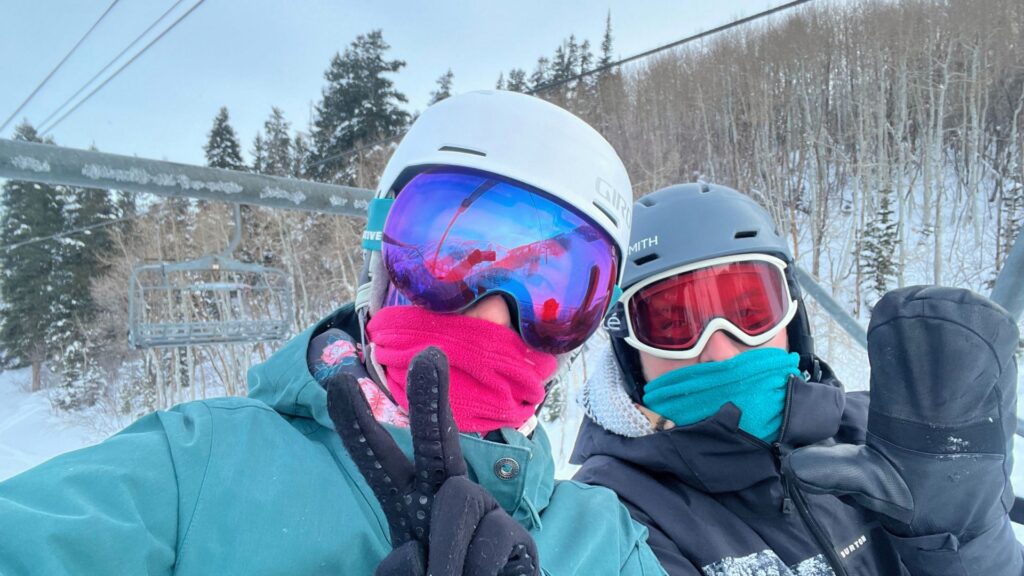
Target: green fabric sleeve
[[113, 508]]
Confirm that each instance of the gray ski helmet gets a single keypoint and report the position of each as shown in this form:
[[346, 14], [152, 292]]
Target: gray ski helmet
[[689, 223]]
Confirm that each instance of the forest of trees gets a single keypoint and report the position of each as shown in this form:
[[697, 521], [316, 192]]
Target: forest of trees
[[886, 138]]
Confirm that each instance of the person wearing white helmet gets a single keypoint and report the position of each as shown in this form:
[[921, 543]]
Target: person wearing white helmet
[[492, 252]]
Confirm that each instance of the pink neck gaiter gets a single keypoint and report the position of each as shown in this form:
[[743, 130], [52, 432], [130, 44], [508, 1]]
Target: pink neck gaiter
[[496, 380]]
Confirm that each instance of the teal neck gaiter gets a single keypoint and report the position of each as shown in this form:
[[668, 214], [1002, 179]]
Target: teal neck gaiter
[[755, 381]]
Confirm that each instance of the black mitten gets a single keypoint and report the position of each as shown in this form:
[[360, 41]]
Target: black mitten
[[441, 523], [943, 413]]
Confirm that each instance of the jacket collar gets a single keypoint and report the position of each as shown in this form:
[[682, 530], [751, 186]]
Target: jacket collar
[[715, 455], [518, 472]]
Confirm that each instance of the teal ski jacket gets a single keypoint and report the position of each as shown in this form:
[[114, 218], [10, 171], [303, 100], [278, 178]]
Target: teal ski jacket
[[263, 485]]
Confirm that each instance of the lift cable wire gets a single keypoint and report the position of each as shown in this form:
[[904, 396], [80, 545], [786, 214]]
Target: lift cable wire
[[59, 64], [687, 40], [58, 235], [123, 66], [42, 124], [610, 65]]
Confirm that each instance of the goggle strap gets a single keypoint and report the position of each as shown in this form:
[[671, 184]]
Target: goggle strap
[[616, 296], [377, 214], [615, 321]]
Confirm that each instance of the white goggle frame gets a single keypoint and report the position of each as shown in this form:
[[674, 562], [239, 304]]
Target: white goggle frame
[[716, 323]]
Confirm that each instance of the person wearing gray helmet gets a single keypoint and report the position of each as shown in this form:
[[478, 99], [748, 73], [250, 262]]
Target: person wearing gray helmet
[[721, 430]]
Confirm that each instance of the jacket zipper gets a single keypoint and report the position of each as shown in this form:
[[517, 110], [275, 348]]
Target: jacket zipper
[[792, 494], [812, 524]]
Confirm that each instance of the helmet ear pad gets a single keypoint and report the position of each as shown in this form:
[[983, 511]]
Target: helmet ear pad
[[628, 359], [799, 329]]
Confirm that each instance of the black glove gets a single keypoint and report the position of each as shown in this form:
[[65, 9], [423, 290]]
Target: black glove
[[942, 418], [441, 522]]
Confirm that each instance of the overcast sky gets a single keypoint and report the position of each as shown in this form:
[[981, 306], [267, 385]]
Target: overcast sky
[[250, 55]]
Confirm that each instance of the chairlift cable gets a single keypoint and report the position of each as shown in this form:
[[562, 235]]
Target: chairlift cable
[[109, 64], [123, 66], [59, 64], [8, 247], [687, 40]]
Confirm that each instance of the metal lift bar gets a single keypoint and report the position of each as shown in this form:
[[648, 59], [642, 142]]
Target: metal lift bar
[[56, 165], [71, 167]]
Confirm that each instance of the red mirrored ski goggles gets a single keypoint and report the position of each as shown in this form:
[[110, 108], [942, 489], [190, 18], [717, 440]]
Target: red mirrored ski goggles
[[673, 314]]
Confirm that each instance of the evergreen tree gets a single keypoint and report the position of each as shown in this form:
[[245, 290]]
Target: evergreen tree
[[586, 87], [277, 145], [572, 57], [360, 105], [586, 58], [559, 65], [879, 245], [541, 73], [81, 258], [517, 80], [300, 156], [259, 154], [500, 84], [27, 270], [606, 42], [444, 88], [222, 147]]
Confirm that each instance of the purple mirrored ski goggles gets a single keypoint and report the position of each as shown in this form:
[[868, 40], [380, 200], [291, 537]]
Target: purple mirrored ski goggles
[[455, 235]]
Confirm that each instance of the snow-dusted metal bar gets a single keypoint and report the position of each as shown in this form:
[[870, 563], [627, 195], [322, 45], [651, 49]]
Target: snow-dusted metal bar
[[71, 167], [1009, 289], [1008, 293], [822, 297]]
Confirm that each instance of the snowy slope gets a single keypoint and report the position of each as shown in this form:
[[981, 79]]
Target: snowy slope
[[30, 433]]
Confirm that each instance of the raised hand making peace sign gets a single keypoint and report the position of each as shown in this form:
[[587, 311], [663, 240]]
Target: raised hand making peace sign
[[441, 522]]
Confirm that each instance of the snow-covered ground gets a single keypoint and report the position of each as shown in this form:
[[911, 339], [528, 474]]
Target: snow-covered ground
[[31, 433]]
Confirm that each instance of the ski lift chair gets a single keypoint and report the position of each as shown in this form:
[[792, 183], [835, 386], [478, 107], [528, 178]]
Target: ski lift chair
[[214, 299]]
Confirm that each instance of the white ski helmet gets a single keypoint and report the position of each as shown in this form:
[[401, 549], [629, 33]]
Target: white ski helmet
[[519, 137]]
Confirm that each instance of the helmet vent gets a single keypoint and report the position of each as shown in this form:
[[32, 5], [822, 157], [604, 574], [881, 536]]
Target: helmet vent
[[461, 150], [615, 221], [746, 234], [646, 201], [645, 259]]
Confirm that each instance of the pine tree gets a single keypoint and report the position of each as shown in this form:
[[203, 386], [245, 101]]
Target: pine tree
[[30, 211], [259, 154], [586, 87], [606, 43], [559, 65], [879, 245], [517, 80], [586, 58], [572, 57], [500, 84], [222, 147], [300, 156], [444, 88], [277, 145], [541, 73], [360, 105], [80, 259]]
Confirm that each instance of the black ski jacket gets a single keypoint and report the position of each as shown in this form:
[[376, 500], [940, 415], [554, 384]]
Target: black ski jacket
[[716, 502]]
